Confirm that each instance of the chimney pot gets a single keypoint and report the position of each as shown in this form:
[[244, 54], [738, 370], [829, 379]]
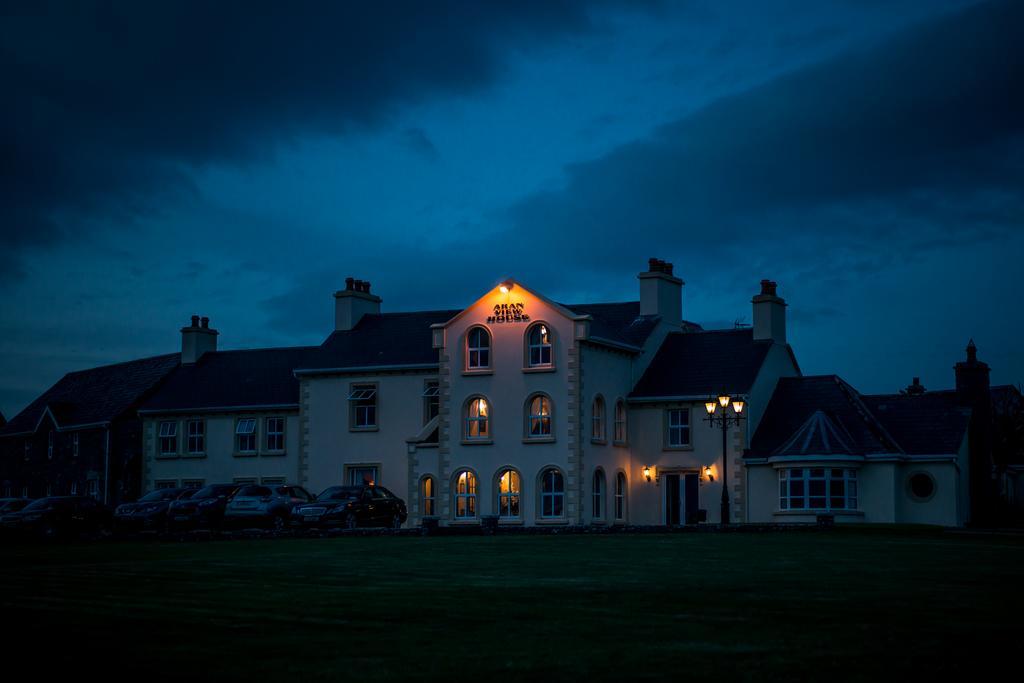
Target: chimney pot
[[205, 322], [768, 288], [195, 321]]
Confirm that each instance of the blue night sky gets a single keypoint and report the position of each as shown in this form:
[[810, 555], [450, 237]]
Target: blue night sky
[[239, 160]]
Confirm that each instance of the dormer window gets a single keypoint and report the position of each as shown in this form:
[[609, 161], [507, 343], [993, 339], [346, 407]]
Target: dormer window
[[478, 349], [538, 346]]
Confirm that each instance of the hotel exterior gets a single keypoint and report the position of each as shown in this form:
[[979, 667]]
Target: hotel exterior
[[529, 412]]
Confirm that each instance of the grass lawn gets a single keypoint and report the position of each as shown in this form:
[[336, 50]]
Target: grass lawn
[[847, 604]]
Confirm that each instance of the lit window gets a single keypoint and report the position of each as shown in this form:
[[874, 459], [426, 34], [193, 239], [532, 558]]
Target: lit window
[[597, 419], [275, 433], [363, 402], [552, 493], [74, 444], [49, 446], [431, 400], [477, 419], [478, 349], [509, 492], [465, 495], [597, 494], [168, 438], [360, 475], [429, 496], [620, 496], [538, 346], [245, 435], [678, 427], [620, 422], [804, 488], [538, 419], [196, 434]]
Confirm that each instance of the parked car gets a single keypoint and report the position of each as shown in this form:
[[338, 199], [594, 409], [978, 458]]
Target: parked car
[[265, 506], [60, 517], [204, 509], [351, 507], [9, 505], [149, 513]]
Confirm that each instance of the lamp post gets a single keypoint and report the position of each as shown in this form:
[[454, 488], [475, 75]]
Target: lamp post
[[724, 420]]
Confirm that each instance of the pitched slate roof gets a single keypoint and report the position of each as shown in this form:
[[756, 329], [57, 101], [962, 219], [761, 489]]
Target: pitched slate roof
[[820, 435], [621, 322], [703, 363], [379, 340], [926, 424], [95, 396], [233, 379]]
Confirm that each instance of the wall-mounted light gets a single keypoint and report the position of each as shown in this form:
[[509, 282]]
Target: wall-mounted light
[[506, 286], [707, 473], [648, 472]]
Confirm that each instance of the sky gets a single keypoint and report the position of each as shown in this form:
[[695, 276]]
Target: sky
[[238, 160]]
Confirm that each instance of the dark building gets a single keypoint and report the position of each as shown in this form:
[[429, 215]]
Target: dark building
[[82, 436]]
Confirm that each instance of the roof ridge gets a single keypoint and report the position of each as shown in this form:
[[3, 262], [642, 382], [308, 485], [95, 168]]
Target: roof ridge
[[266, 348], [869, 417], [119, 363]]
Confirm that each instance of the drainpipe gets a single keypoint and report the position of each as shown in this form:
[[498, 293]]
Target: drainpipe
[[106, 467]]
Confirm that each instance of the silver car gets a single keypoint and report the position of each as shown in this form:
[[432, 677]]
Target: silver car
[[267, 505]]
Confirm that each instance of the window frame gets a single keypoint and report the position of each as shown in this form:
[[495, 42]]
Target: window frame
[[669, 428], [253, 434], [850, 489], [268, 433], [529, 417], [620, 433], [469, 349], [201, 436], [511, 496], [598, 495], [470, 495], [598, 420], [161, 437], [349, 469], [75, 445], [528, 346], [49, 445], [468, 419], [621, 497], [428, 496], [554, 495], [431, 399], [357, 401]]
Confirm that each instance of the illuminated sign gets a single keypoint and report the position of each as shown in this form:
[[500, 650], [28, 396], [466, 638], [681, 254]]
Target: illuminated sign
[[508, 313]]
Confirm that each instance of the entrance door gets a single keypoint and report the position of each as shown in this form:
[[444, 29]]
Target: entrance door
[[673, 504], [691, 496]]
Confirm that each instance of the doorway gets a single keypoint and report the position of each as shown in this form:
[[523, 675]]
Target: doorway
[[682, 498]]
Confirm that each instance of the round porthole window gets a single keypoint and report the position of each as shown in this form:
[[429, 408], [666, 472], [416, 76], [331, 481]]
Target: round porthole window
[[922, 486]]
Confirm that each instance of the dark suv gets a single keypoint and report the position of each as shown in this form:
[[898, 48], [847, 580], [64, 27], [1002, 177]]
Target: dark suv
[[150, 511], [352, 506], [270, 505], [203, 510]]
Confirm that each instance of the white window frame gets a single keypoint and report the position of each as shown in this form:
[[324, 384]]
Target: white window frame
[[193, 483], [598, 488], [548, 498], [619, 433], [480, 351], [167, 434], [195, 437], [510, 495], [428, 494], [482, 423], [362, 399], [465, 491], [539, 417], [352, 469], [675, 430], [541, 346], [621, 486], [801, 478], [277, 434], [163, 484], [597, 419], [431, 399], [245, 428]]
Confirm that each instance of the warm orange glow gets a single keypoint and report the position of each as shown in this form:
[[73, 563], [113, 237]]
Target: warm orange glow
[[708, 474], [738, 406], [710, 407], [724, 400], [504, 289], [648, 472]]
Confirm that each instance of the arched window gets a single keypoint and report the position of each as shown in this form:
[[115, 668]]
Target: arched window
[[465, 495], [538, 417], [428, 493], [597, 493], [538, 346], [478, 349], [597, 419], [620, 422], [552, 493], [509, 493], [620, 496], [478, 425]]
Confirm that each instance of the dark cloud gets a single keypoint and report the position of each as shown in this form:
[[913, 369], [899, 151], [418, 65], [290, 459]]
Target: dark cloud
[[107, 103], [935, 112]]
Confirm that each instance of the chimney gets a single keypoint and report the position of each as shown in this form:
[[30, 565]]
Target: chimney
[[661, 292], [915, 388], [769, 314], [352, 303], [972, 391], [197, 339]]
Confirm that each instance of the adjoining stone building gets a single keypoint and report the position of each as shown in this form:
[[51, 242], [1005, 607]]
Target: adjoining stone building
[[541, 413]]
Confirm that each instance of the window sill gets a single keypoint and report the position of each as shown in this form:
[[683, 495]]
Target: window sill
[[837, 513], [475, 521], [552, 521], [374, 428], [482, 371], [477, 442], [677, 448], [509, 521], [273, 454], [544, 368], [165, 456], [598, 522], [599, 442], [539, 439], [247, 454]]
